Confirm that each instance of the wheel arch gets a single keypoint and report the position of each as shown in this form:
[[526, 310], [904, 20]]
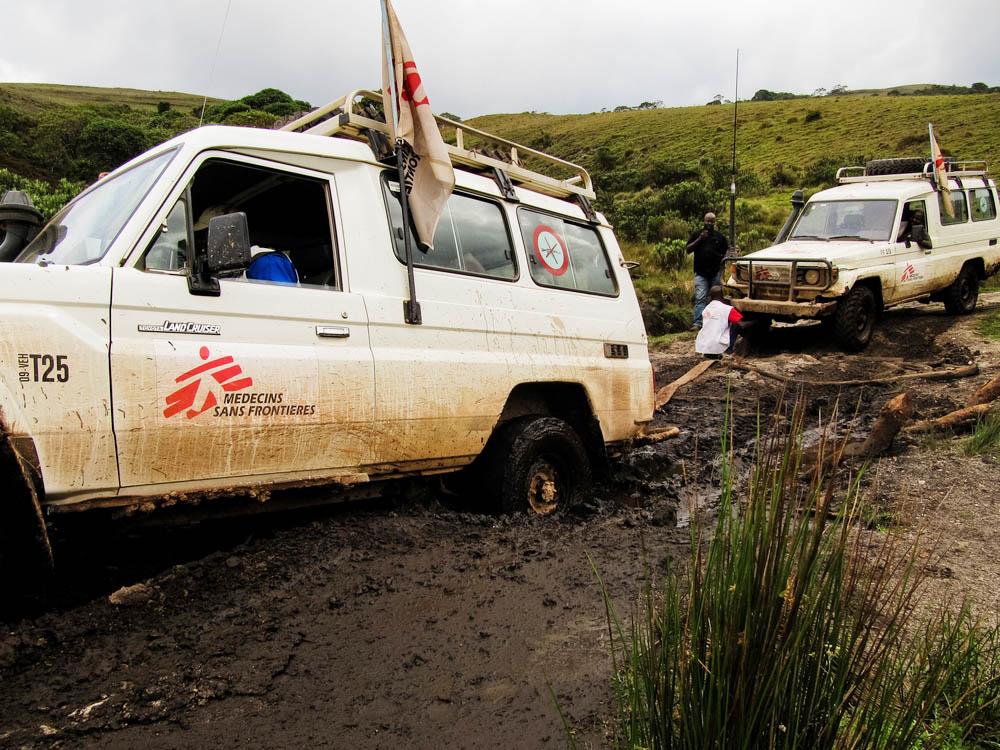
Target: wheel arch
[[874, 283], [568, 401]]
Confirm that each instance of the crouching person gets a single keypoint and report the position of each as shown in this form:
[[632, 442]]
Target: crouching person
[[720, 325]]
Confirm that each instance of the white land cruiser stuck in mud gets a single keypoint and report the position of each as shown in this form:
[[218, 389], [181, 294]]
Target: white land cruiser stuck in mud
[[881, 237], [139, 368]]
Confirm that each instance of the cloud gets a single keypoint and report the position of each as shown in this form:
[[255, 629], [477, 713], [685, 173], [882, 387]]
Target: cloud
[[479, 56]]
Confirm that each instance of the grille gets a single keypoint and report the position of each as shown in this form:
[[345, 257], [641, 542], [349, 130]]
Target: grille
[[771, 292]]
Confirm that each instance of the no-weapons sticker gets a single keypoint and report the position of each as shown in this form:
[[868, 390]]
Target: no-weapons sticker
[[550, 249]]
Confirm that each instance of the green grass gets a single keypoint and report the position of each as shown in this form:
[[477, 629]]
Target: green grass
[[985, 439], [770, 133], [34, 98], [989, 325], [793, 627]]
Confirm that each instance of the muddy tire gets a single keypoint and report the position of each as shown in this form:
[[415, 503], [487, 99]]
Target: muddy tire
[[854, 320], [961, 296], [538, 465]]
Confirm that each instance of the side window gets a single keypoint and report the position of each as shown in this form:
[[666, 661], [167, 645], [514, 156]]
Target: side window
[[288, 216], [168, 250], [565, 255], [958, 204], [982, 205], [913, 213], [471, 237]]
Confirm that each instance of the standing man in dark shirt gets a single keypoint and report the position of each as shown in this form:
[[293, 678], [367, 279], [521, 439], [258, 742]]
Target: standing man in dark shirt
[[709, 247]]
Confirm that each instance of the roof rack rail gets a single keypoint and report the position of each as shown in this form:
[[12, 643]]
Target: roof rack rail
[[352, 116], [976, 168]]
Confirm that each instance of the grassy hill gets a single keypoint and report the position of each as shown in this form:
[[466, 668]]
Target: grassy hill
[[791, 133], [656, 170], [37, 98]]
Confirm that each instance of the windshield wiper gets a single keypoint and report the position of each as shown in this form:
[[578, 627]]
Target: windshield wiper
[[807, 237], [850, 237]]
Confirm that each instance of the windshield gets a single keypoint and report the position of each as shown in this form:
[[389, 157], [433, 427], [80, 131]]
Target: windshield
[[83, 231], [845, 220]]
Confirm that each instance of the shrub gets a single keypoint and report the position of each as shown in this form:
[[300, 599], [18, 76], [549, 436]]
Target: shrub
[[784, 176], [105, 144], [670, 255], [792, 626], [812, 116], [47, 198], [253, 118]]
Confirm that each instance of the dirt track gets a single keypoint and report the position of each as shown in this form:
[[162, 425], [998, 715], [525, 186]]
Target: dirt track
[[406, 623]]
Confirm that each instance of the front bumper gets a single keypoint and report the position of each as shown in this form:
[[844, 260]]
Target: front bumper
[[785, 309]]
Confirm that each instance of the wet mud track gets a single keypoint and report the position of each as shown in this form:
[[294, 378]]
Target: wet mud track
[[405, 622]]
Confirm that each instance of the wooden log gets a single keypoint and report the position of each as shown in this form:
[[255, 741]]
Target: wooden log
[[667, 392], [958, 372], [989, 391], [959, 418], [894, 414], [656, 436]]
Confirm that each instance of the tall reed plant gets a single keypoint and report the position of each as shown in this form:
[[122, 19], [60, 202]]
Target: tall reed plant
[[794, 627]]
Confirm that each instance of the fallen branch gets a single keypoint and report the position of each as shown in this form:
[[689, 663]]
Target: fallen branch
[[893, 415], [989, 391], [896, 412], [656, 436], [964, 417], [667, 392], [953, 374]]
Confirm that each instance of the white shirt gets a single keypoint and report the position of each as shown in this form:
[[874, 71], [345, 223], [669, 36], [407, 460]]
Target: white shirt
[[713, 338]]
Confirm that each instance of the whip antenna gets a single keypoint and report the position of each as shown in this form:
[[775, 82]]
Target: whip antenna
[[211, 72], [732, 185]]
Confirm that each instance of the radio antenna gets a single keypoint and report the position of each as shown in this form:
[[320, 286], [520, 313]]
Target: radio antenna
[[732, 185], [215, 59]]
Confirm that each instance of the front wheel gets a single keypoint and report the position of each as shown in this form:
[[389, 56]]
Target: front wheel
[[538, 465], [854, 319], [960, 298]]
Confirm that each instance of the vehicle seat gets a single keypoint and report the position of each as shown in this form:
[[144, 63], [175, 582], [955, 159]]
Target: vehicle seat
[[273, 266], [852, 224]]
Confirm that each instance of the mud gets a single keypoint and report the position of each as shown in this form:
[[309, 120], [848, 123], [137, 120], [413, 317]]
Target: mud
[[415, 621]]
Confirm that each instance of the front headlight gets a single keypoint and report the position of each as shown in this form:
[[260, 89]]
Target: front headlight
[[812, 276]]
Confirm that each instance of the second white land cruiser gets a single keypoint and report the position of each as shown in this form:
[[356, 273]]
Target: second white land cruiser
[[879, 238], [139, 369]]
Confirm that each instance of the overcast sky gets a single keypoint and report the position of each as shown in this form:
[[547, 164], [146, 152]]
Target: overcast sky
[[485, 56]]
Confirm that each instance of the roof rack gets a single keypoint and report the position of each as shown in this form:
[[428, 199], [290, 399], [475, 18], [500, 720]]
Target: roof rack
[[350, 117], [955, 169]]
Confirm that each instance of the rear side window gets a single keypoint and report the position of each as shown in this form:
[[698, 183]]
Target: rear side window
[[958, 203], [565, 255], [982, 205], [471, 237]]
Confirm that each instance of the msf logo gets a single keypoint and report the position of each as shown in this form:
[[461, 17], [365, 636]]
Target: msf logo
[[908, 273], [225, 374]]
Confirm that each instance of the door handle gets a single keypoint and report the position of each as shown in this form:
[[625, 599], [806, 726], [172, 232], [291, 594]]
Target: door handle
[[333, 332]]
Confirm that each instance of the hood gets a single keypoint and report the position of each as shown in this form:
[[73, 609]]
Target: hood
[[834, 251]]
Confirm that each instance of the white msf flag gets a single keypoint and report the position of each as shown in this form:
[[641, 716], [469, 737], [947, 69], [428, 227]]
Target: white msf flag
[[428, 173], [940, 175]]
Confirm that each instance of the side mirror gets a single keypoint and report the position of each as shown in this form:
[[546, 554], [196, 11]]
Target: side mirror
[[228, 250], [918, 233]]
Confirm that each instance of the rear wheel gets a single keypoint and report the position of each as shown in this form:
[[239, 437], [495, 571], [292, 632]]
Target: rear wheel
[[854, 320], [960, 298], [538, 465]]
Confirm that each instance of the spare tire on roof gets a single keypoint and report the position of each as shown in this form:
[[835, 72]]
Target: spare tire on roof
[[903, 165]]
